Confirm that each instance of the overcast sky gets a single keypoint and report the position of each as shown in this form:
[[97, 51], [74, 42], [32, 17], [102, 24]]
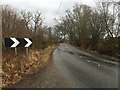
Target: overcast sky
[[50, 9]]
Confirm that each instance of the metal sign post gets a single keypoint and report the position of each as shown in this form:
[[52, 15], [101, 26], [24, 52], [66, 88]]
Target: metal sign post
[[16, 51], [27, 51]]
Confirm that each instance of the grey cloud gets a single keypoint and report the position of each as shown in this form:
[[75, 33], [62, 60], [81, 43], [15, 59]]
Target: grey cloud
[[50, 9]]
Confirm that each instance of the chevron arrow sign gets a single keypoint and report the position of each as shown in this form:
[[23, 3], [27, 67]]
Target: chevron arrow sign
[[18, 42]]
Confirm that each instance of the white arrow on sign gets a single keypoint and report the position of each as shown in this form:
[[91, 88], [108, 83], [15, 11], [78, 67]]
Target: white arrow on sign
[[28, 42], [16, 42]]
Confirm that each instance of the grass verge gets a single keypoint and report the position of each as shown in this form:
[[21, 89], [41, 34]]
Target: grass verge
[[15, 68]]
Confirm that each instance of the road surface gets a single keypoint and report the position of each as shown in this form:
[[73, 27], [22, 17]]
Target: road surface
[[73, 68]]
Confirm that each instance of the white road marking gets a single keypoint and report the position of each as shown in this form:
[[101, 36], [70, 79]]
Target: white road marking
[[99, 65], [66, 46], [80, 56], [88, 60], [94, 62]]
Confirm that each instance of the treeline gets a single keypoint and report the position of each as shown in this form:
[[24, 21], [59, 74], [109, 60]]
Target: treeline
[[16, 65], [95, 29], [21, 24]]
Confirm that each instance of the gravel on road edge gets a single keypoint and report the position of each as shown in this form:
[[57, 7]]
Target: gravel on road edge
[[48, 77]]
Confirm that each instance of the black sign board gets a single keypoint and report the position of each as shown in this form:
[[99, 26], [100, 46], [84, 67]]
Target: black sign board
[[18, 42]]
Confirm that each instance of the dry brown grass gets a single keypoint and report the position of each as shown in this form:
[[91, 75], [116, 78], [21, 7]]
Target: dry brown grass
[[16, 67]]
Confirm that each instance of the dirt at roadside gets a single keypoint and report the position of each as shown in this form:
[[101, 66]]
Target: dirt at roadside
[[17, 67], [50, 77]]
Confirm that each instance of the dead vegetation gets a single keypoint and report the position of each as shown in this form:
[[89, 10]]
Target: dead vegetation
[[21, 24], [16, 67]]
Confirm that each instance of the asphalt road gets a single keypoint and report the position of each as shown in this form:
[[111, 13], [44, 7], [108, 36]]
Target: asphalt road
[[74, 68], [85, 70]]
